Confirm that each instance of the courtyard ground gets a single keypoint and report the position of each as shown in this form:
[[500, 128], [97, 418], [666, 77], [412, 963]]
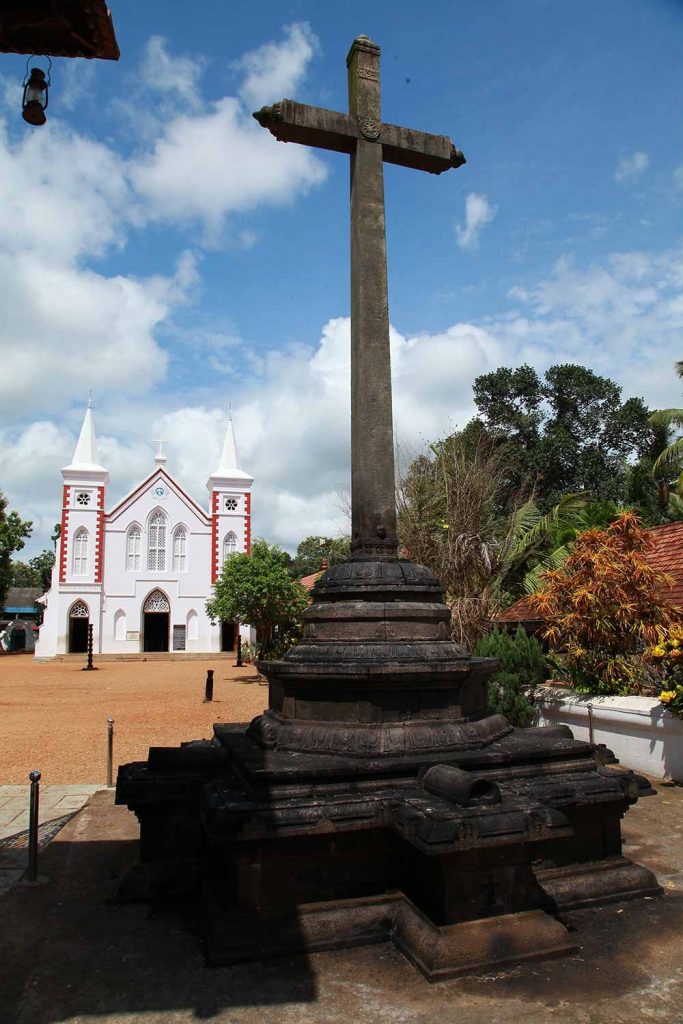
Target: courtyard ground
[[53, 716], [67, 954]]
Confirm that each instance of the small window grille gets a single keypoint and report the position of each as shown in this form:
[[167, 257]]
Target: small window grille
[[230, 504], [83, 498], [133, 549], [79, 611], [229, 544], [157, 602], [180, 550], [80, 556], [156, 547]]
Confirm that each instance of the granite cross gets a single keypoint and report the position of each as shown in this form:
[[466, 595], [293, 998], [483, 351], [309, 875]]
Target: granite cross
[[362, 134]]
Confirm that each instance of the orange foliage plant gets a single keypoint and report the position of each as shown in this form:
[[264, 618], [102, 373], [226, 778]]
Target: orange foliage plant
[[604, 605]]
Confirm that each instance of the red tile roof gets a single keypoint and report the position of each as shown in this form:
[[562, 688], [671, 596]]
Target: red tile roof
[[310, 581], [667, 556]]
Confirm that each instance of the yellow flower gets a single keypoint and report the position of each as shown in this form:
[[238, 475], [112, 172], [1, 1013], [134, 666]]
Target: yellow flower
[[658, 651], [666, 696], [675, 642]]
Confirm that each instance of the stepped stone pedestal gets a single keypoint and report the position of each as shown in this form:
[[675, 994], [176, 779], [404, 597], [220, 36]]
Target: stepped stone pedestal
[[377, 799]]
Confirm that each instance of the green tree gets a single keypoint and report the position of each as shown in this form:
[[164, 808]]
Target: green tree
[[451, 519], [311, 552], [669, 461], [257, 589], [566, 432], [23, 575], [522, 669], [37, 572], [42, 565], [13, 532]]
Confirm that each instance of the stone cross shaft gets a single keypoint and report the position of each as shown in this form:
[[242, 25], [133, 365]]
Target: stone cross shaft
[[369, 142]]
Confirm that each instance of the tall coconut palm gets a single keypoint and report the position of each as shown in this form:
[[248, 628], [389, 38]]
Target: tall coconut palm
[[669, 463]]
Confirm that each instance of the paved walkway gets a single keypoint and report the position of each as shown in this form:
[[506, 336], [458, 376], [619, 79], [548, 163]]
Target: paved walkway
[[57, 805]]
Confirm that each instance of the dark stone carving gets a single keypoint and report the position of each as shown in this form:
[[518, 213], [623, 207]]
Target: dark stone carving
[[370, 130]]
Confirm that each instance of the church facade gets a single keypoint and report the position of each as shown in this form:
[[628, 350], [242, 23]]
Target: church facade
[[141, 572]]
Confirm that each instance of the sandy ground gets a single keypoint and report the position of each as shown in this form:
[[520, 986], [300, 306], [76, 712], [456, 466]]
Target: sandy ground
[[53, 716]]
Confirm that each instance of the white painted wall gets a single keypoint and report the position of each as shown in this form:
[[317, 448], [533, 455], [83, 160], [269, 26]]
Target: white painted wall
[[642, 734]]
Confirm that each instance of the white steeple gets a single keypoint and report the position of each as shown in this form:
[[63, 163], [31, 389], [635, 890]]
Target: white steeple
[[229, 466], [85, 461]]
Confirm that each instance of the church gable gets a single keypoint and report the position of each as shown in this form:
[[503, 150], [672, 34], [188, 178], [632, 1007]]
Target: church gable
[[162, 491]]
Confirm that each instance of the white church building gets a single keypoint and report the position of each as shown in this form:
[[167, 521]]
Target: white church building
[[142, 571]]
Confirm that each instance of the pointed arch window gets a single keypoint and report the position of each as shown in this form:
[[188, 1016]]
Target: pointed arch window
[[80, 552], [133, 540], [230, 544], [156, 543], [180, 549]]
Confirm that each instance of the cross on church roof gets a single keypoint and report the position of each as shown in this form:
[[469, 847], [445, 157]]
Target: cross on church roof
[[160, 457], [369, 142]]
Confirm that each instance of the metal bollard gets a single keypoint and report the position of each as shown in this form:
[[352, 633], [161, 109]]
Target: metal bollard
[[591, 738], [238, 663], [32, 875], [208, 689], [110, 753]]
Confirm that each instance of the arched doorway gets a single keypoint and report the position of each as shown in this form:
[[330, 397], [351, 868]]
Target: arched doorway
[[79, 617], [156, 615], [228, 635]]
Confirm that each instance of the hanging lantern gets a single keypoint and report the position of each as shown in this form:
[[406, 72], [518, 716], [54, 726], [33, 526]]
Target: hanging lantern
[[34, 102]]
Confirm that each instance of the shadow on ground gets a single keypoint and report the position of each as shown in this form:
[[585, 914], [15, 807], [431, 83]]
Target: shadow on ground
[[69, 955]]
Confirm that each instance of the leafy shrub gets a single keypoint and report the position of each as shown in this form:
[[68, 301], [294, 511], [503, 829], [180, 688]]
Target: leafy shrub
[[604, 606], [522, 669]]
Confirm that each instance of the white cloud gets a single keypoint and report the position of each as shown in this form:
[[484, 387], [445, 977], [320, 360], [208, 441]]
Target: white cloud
[[174, 78], [478, 213], [206, 167], [630, 168], [61, 195], [274, 71], [678, 176]]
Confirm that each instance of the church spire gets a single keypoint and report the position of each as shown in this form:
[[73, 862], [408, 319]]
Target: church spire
[[229, 457], [86, 458], [229, 466]]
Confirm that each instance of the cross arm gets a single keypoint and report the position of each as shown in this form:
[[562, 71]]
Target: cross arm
[[420, 150], [289, 121]]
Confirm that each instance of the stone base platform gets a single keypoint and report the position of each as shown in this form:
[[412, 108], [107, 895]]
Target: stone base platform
[[438, 952]]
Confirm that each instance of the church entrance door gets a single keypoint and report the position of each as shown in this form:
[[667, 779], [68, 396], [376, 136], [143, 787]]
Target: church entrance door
[[227, 636], [79, 617], [156, 622]]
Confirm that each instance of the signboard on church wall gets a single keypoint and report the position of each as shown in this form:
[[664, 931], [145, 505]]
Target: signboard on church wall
[[179, 638]]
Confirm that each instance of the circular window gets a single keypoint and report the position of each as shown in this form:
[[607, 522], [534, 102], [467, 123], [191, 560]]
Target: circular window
[[82, 498], [230, 504]]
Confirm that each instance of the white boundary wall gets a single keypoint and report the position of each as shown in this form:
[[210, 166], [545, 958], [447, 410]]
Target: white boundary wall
[[642, 734]]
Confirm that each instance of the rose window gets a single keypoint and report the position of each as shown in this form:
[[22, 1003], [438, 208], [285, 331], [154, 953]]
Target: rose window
[[82, 498], [230, 504]]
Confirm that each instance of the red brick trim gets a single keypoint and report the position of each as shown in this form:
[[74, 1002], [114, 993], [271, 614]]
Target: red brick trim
[[99, 536], [63, 535], [214, 537], [247, 523]]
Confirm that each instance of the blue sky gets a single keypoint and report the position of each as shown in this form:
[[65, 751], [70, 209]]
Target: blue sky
[[159, 247]]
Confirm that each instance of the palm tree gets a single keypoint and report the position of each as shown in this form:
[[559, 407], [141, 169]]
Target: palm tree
[[670, 462]]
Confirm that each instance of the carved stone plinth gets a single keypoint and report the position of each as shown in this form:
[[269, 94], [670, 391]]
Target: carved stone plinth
[[377, 799]]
